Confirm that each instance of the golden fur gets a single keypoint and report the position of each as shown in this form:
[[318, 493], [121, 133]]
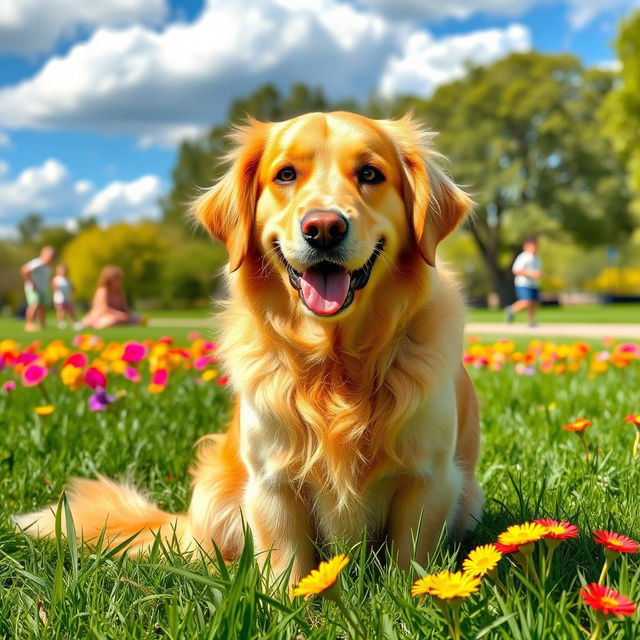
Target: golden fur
[[362, 419]]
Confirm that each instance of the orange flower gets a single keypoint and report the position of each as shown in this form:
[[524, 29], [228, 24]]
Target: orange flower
[[578, 425], [634, 419], [607, 600], [558, 530], [615, 542]]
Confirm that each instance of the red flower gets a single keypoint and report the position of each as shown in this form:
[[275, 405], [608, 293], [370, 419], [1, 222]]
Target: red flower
[[607, 600], [633, 419], [577, 425], [506, 548], [94, 378], [222, 381], [615, 542], [77, 360], [558, 530]]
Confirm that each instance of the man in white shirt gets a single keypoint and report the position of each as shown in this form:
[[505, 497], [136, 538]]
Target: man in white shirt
[[527, 271], [37, 288]]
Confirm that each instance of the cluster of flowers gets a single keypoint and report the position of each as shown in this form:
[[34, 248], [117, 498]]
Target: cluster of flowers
[[549, 357], [449, 588], [95, 365]]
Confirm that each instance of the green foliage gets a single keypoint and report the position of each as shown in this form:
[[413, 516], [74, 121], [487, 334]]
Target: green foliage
[[139, 249], [621, 113], [523, 134], [12, 257]]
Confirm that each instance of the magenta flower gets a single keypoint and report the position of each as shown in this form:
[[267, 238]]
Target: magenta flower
[[202, 362], [134, 352], [100, 400], [160, 377], [9, 386], [2, 362], [132, 374], [94, 378], [26, 358], [193, 335], [78, 360], [33, 375]]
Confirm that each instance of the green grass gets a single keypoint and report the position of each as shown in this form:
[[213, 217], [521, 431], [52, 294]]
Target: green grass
[[529, 468], [583, 313]]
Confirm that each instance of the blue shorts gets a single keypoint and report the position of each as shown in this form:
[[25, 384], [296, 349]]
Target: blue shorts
[[528, 293]]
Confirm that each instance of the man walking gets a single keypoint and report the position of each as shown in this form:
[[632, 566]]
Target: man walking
[[527, 271], [37, 288]]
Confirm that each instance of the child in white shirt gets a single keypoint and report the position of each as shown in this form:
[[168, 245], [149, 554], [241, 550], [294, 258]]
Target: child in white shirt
[[62, 296]]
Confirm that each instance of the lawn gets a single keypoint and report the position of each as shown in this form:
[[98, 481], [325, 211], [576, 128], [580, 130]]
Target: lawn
[[602, 313], [530, 468]]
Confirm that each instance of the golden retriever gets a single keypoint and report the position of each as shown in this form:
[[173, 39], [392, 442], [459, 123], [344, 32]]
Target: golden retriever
[[343, 342]]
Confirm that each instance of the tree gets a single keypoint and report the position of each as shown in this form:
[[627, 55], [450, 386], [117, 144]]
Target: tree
[[29, 228], [523, 135], [621, 111], [139, 249]]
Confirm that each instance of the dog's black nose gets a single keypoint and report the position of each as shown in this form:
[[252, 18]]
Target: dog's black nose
[[324, 229]]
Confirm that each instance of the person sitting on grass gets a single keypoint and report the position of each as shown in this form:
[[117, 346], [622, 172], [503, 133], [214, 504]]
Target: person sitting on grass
[[109, 306], [37, 275], [527, 270]]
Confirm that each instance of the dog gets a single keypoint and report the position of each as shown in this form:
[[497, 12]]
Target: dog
[[343, 342]]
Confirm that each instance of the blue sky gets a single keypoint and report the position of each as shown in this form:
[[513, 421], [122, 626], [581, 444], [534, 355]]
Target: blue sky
[[94, 97]]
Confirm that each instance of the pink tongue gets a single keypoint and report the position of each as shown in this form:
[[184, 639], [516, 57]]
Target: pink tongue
[[324, 292]]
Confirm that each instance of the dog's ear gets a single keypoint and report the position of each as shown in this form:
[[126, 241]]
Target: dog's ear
[[435, 204], [227, 210]]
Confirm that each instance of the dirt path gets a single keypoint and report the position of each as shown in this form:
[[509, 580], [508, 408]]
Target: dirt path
[[556, 329]]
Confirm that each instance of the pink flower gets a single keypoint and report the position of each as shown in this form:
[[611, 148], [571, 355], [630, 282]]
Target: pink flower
[[8, 386], [193, 335], [77, 360], [34, 374], [94, 378], [202, 362], [134, 352], [160, 377], [130, 373]]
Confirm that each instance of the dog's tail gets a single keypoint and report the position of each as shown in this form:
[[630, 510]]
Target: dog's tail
[[118, 510]]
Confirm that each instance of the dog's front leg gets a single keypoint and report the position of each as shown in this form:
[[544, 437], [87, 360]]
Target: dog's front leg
[[420, 508], [281, 527]]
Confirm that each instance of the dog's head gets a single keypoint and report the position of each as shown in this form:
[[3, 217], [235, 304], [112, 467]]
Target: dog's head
[[330, 201]]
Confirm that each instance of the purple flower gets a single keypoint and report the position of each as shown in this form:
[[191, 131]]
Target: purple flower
[[100, 400]]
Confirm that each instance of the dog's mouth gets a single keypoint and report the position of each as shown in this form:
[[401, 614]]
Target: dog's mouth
[[327, 288]]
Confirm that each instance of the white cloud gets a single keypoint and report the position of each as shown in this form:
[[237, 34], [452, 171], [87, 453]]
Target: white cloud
[[51, 190], [609, 65], [129, 201], [34, 26], [161, 86], [426, 63]]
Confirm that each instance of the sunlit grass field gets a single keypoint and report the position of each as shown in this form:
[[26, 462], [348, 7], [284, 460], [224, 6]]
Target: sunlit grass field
[[530, 468]]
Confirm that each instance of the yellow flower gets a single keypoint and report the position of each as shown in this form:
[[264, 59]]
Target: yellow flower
[[209, 375], [482, 560], [45, 410], [322, 579], [447, 585], [521, 534], [72, 377]]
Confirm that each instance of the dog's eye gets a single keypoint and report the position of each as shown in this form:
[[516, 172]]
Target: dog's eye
[[370, 175], [286, 175]]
